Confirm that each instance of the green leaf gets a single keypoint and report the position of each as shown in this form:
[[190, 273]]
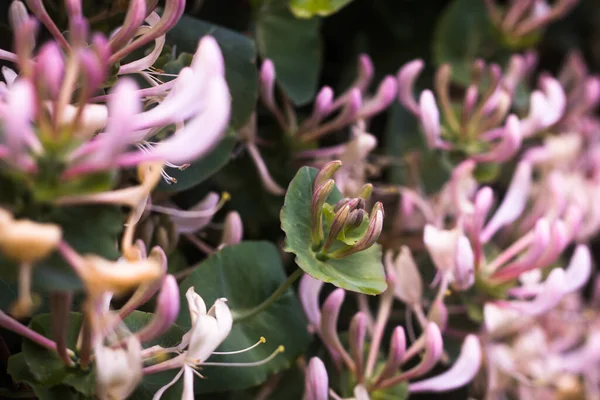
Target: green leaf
[[463, 34], [294, 46], [359, 272], [46, 367], [88, 229], [247, 274], [310, 8], [19, 370], [239, 53], [200, 170], [404, 136]]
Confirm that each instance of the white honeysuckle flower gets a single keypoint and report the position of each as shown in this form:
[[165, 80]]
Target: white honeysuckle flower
[[118, 370]]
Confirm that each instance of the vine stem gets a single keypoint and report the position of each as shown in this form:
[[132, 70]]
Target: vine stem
[[271, 299]]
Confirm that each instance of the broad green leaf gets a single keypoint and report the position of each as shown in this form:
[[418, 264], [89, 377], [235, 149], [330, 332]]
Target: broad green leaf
[[19, 370], [310, 8], [46, 367], [463, 34], [359, 272], [247, 274], [294, 46], [240, 58], [199, 170], [404, 136]]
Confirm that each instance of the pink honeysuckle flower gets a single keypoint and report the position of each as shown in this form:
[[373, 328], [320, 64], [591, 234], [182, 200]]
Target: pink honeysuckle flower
[[513, 203], [167, 310], [546, 107], [523, 18], [559, 283], [316, 381], [352, 106], [408, 285], [462, 371]]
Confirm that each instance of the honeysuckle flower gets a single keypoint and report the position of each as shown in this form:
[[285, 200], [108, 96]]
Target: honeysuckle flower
[[545, 355], [233, 229], [462, 372], [100, 275], [408, 285], [546, 107], [582, 90], [477, 129], [41, 98], [559, 283], [118, 370], [522, 21], [372, 379], [316, 381], [167, 309], [353, 104], [26, 242]]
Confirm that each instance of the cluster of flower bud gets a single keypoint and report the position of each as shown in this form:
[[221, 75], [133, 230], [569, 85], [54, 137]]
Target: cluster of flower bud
[[351, 228]]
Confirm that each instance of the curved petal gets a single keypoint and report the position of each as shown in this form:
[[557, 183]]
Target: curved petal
[[462, 372]]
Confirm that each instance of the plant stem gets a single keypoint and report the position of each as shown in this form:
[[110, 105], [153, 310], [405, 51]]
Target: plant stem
[[60, 305], [12, 324], [272, 299]]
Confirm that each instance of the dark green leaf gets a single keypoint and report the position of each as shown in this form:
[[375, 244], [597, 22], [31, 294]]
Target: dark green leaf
[[247, 274], [404, 136], [294, 46], [359, 272], [19, 370], [88, 229], [200, 170], [310, 8], [240, 58], [46, 367], [463, 34]]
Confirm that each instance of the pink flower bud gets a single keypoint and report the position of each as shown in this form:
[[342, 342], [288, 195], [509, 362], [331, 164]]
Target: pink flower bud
[[464, 270], [167, 309], [407, 76], [430, 119], [316, 381], [386, 93]]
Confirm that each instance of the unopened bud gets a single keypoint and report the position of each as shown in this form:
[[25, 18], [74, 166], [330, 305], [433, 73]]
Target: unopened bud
[[337, 226], [234, 229], [316, 381], [356, 218], [366, 191], [326, 173], [316, 210], [369, 238]]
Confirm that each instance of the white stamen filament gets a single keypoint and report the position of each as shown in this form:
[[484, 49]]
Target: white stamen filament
[[260, 341], [278, 350]]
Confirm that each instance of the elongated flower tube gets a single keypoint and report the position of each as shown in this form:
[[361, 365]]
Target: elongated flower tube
[[167, 309], [462, 371], [316, 381]]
